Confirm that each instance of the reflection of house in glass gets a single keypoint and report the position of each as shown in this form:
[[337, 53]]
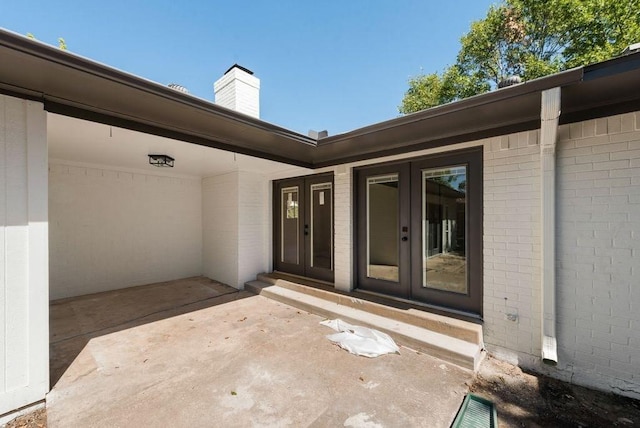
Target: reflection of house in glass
[[444, 213]]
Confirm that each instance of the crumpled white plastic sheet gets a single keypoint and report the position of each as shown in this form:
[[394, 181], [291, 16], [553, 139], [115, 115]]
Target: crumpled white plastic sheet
[[362, 341]]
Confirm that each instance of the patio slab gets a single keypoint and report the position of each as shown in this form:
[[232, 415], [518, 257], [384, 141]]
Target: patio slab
[[246, 361]]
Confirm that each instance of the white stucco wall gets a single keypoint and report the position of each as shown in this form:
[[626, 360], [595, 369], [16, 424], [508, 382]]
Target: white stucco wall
[[112, 229], [24, 302], [236, 227]]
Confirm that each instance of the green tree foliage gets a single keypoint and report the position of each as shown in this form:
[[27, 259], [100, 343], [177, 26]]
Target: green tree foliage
[[530, 39]]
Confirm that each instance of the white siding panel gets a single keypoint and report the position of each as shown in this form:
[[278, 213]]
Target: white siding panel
[[24, 315]]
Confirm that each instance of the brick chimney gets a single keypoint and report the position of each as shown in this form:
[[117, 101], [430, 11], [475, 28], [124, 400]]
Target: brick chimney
[[238, 89]]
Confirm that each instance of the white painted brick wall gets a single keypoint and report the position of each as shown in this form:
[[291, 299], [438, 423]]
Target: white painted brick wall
[[235, 227], [24, 261], [112, 229], [239, 91], [343, 228], [599, 253], [253, 226], [512, 243], [220, 228]]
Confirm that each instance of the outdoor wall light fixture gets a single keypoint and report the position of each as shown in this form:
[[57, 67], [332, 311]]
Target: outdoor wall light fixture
[[161, 160]]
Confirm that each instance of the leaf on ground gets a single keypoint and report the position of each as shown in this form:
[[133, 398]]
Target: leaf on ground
[[234, 393]]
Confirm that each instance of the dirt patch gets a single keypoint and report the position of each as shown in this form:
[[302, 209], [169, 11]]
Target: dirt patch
[[532, 400], [37, 419]]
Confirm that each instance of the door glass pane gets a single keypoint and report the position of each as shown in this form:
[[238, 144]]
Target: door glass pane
[[290, 239], [444, 202], [321, 221], [382, 227]]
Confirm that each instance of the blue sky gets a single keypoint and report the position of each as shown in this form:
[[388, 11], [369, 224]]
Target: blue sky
[[335, 65]]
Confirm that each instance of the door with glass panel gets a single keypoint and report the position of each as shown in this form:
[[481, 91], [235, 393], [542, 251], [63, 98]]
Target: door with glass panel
[[446, 217], [383, 229], [420, 230], [303, 232]]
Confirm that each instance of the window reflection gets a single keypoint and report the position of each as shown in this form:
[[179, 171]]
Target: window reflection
[[444, 202]]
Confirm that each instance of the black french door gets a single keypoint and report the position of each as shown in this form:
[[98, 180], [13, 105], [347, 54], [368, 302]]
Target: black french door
[[419, 231], [303, 226]]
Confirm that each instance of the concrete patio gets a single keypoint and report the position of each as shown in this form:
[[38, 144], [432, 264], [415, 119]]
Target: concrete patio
[[198, 353]]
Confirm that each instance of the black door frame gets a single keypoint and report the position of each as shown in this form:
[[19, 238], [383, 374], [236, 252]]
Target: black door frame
[[471, 303], [304, 267]]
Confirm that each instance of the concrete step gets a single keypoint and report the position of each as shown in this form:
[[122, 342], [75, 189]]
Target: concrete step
[[459, 329], [447, 348]]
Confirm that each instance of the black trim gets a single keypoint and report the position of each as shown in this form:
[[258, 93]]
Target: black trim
[[25, 95], [600, 111], [239, 67], [611, 67]]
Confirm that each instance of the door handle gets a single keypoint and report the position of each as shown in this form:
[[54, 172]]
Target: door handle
[[404, 238]]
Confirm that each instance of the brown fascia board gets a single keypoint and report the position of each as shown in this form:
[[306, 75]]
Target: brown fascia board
[[512, 109], [71, 85], [598, 90], [608, 88]]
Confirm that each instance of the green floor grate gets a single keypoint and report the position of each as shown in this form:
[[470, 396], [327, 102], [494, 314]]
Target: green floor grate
[[476, 412]]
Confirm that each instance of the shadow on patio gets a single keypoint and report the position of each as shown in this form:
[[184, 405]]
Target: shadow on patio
[[77, 320]]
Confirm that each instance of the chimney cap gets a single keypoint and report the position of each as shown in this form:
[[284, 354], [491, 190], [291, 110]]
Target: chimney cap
[[236, 65]]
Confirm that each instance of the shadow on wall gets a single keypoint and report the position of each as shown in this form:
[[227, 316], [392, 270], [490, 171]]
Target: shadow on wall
[[75, 321]]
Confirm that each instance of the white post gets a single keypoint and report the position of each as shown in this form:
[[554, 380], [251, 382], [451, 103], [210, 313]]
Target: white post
[[24, 259]]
